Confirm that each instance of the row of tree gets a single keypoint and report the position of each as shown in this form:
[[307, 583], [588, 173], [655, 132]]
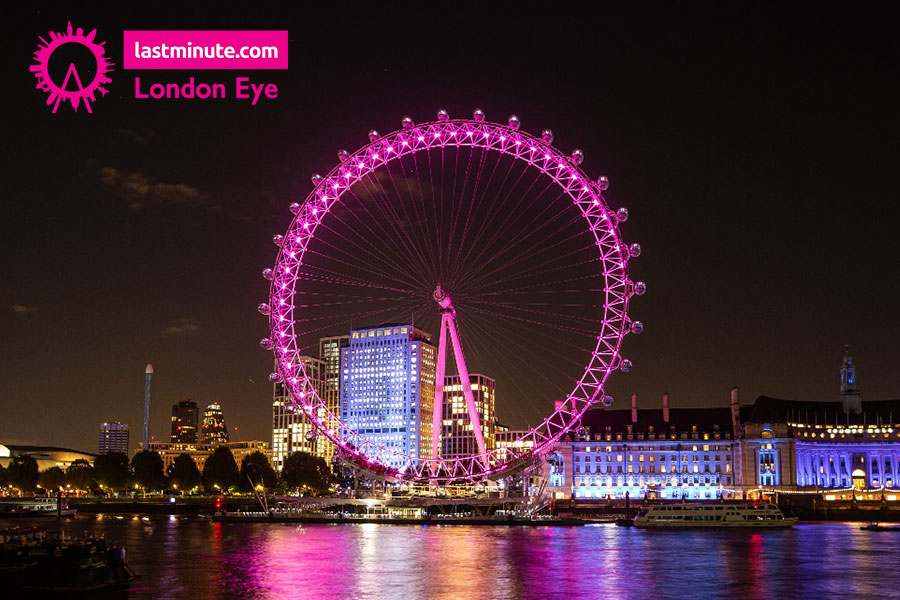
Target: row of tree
[[302, 473]]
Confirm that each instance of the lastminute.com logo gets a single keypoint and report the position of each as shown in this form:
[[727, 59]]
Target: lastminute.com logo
[[71, 67]]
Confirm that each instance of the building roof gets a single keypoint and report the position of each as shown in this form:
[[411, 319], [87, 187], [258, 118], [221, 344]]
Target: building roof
[[17, 450], [683, 419], [777, 410]]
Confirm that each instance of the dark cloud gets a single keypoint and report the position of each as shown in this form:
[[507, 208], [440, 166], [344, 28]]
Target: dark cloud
[[140, 190], [22, 309], [140, 136], [182, 328]]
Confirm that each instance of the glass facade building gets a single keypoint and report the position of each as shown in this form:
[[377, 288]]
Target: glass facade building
[[214, 429], [457, 434], [387, 392], [185, 416]]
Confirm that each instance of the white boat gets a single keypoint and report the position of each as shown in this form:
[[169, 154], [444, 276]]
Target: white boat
[[34, 507], [682, 516]]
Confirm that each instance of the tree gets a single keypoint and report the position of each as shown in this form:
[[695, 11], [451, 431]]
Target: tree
[[52, 479], [80, 475], [112, 470], [256, 468], [304, 472], [183, 472], [147, 466], [220, 470], [22, 473]]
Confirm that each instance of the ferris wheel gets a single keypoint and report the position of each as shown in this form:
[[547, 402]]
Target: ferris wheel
[[497, 251]]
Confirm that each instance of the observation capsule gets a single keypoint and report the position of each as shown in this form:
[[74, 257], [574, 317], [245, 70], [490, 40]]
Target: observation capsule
[[264, 309], [343, 155], [607, 400], [640, 288], [547, 136], [266, 344], [514, 122], [407, 122], [622, 215], [478, 115], [275, 377], [311, 436], [625, 365], [637, 327], [634, 250], [373, 135], [278, 239], [577, 156], [443, 115], [294, 207], [603, 183], [316, 179], [268, 274]]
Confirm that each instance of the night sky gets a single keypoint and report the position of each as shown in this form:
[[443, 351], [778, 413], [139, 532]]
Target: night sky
[[756, 146]]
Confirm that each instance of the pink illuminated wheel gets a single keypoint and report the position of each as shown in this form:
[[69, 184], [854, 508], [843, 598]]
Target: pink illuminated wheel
[[493, 242]]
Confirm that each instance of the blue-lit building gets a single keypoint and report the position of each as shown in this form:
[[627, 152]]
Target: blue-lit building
[[387, 391], [734, 452], [667, 453]]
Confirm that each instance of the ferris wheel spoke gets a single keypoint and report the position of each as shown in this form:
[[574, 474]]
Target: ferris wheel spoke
[[369, 270], [502, 257], [539, 250], [427, 246], [366, 220], [496, 209], [505, 257], [407, 225], [372, 251], [498, 315], [530, 274], [342, 280], [397, 233], [452, 257], [403, 266], [536, 357], [511, 373], [544, 313]]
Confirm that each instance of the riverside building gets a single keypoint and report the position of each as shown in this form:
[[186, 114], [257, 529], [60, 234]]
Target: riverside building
[[214, 429], [845, 445], [113, 438], [387, 392], [457, 433], [185, 416], [292, 431]]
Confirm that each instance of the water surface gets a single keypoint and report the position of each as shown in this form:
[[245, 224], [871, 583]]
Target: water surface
[[189, 557]]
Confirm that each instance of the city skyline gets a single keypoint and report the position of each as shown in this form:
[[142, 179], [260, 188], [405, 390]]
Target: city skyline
[[758, 188]]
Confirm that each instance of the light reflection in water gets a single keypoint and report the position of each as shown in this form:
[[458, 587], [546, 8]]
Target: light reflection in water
[[196, 559]]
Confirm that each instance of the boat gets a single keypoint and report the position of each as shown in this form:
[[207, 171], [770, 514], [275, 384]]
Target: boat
[[682, 516], [876, 527], [37, 560], [34, 507]]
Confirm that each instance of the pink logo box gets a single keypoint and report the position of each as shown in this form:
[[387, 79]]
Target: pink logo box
[[206, 49]]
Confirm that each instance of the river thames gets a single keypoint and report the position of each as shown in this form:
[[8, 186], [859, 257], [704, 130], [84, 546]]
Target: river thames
[[190, 557]]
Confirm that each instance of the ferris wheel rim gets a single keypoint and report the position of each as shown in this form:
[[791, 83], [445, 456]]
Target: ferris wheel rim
[[537, 153]]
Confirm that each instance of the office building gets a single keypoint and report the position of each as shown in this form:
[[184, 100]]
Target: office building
[[387, 393], [113, 438], [185, 416], [457, 434], [214, 429]]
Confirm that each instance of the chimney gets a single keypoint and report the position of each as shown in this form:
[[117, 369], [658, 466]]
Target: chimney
[[634, 408], [735, 413], [666, 407]]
